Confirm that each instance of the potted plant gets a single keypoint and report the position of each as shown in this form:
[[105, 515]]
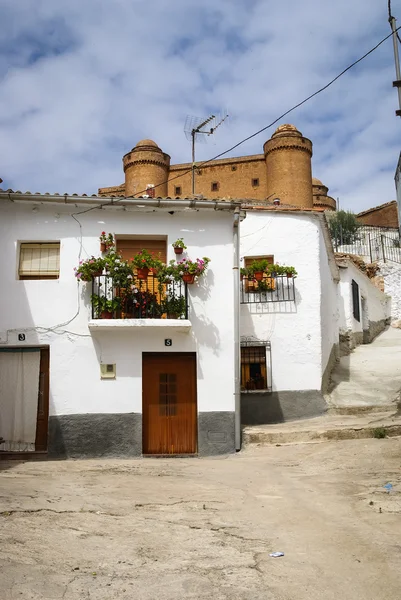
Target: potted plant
[[104, 307], [106, 241], [290, 272], [179, 246], [143, 262], [89, 268], [189, 269], [174, 306], [266, 285], [258, 268]]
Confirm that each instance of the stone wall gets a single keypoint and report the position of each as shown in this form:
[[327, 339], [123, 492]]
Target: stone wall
[[391, 274]]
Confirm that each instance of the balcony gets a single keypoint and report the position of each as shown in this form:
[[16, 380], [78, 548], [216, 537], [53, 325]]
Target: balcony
[[143, 303], [279, 288]]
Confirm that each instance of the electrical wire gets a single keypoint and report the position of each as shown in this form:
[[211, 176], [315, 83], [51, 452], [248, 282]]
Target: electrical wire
[[198, 166]]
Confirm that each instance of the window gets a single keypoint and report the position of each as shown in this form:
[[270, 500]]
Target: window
[[255, 182], [39, 260], [233, 168], [130, 247], [254, 367], [177, 190], [355, 300], [215, 186]]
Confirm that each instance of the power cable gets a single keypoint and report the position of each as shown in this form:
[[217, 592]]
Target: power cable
[[319, 91]]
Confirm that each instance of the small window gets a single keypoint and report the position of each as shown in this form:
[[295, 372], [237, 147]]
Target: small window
[[233, 168], [355, 301], [177, 190], [253, 368], [215, 186], [39, 261], [255, 182]]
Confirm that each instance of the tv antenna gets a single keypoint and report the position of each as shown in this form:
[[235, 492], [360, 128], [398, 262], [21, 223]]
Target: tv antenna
[[195, 132]]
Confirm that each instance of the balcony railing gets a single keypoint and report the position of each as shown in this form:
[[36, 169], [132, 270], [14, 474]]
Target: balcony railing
[[139, 299], [270, 289]]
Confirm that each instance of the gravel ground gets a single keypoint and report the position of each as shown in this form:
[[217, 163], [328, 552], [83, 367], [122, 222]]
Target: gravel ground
[[204, 528]]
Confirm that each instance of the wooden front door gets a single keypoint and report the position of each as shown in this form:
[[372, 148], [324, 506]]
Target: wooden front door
[[169, 403], [43, 402]]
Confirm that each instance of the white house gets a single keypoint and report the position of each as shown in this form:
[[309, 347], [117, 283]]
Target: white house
[[122, 386], [294, 330]]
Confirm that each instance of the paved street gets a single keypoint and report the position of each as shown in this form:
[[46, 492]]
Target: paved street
[[204, 528]]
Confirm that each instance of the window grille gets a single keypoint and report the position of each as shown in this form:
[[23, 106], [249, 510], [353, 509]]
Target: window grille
[[255, 366]]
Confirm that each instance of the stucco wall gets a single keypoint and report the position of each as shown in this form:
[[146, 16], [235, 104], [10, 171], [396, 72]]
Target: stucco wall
[[391, 273], [294, 329], [37, 307], [374, 306]]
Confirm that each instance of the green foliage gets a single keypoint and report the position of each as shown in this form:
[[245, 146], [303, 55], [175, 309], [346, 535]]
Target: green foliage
[[179, 244], [258, 266], [379, 433], [344, 227], [265, 286], [119, 269], [108, 239], [174, 306], [102, 303], [87, 269], [143, 260]]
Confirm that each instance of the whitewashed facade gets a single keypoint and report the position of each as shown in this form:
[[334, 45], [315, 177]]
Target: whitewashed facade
[[89, 415]]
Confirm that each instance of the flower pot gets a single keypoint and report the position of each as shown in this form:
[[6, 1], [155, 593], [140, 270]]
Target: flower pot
[[153, 270], [274, 274], [188, 277], [105, 314], [178, 250], [103, 247], [142, 273], [259, 275], [289, 275], [97, 274], [173, 316], [241, 277]]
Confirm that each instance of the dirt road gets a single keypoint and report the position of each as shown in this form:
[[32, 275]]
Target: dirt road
[[203, 528]]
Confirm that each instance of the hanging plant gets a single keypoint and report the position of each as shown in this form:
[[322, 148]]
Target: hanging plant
[[179, 246], [189, 270], [89, 268], [106, 241]]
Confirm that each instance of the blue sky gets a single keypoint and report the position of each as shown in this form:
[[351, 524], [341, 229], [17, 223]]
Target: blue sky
[[82, 82]]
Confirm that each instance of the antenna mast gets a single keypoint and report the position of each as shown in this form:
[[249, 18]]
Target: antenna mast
[[194, 131]]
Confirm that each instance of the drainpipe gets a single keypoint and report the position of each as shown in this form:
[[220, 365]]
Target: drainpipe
[[237, 354]]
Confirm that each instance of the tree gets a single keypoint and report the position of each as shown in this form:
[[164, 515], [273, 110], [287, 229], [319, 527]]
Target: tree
[[344, 227]]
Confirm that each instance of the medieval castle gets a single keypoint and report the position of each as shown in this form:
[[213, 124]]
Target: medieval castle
[[283, 171]]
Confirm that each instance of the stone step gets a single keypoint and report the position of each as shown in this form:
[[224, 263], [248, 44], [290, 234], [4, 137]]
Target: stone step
[[362, 409], [323, 429]]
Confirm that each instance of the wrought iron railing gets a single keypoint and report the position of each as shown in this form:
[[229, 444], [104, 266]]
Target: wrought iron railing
[[138, 298], [270, 289], [370, 243]]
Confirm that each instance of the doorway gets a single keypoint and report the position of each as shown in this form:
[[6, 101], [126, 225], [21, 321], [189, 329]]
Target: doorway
[[169, 404], [24, 399]]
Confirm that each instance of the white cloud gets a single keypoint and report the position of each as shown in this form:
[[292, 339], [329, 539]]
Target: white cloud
[[82, 82]]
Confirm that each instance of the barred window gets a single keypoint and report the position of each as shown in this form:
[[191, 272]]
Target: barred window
[[253, 368], [39, 260]]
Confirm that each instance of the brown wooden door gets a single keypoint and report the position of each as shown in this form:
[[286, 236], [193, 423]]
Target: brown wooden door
[[169, 403], [43, 402]]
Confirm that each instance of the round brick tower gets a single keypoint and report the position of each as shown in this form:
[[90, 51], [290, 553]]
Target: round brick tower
[[289, 169], [145, 166], [320, 198]]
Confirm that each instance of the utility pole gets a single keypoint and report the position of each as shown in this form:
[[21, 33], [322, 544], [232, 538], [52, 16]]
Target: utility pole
[[397, 82]]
